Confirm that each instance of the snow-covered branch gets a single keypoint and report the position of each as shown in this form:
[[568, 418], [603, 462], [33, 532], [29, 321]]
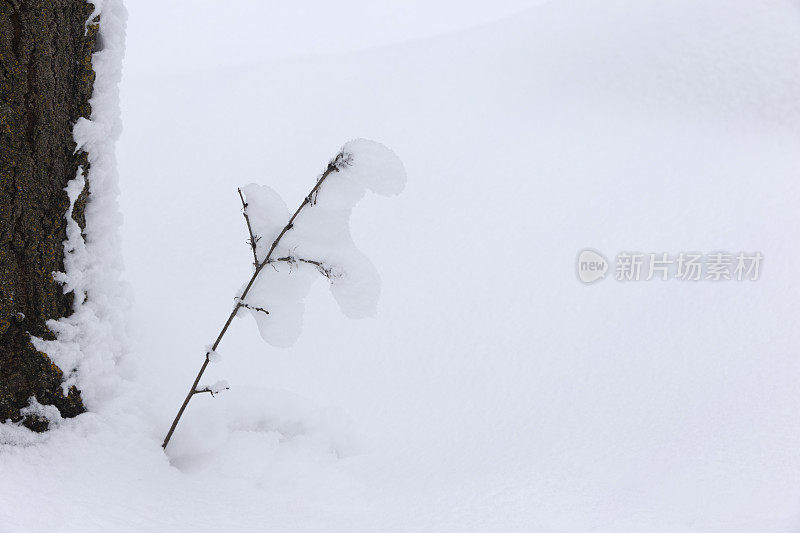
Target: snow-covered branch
[[319, 237]]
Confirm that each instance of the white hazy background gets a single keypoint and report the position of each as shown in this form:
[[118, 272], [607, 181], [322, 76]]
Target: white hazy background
[[175, 36], [492, 391]]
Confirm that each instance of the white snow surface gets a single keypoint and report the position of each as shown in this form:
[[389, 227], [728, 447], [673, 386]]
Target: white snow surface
[[491, 391]]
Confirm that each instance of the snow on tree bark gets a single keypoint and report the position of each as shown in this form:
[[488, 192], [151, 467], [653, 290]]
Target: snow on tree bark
[[46, 80]]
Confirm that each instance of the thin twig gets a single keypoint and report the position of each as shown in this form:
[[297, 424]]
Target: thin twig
[[253, 239], [292, 259], [322, 268], [254, 308], [208, 390], [333, 166]]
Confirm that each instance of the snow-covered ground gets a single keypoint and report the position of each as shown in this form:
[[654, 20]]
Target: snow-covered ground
[[492, 391]]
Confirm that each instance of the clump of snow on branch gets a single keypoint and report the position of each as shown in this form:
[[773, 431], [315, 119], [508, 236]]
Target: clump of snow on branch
[[213, 355], [280, 290], [268, 215], [215, 388], [318, 243]]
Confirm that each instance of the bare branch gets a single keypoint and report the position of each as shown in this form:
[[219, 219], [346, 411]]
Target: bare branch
[[253, 308], [322, 268], [292, 259]]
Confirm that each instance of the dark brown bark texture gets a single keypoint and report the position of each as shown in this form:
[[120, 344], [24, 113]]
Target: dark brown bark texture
[[46, 80]]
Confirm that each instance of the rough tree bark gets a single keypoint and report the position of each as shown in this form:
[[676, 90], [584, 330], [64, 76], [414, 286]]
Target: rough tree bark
[[46, 80]]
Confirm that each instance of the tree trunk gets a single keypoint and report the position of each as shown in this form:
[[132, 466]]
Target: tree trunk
[[46, 81]]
